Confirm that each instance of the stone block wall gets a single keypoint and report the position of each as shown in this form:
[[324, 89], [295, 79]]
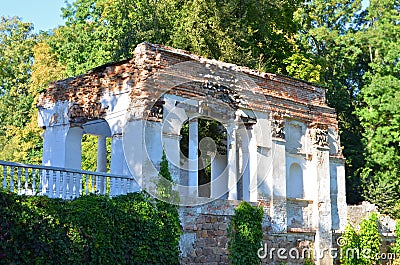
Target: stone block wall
[[289, 248], [210, 245], [205, 237], [205, 232]]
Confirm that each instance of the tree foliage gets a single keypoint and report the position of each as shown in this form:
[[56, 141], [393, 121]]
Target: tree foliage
[[18, 133], [378, 110], [251, 33]]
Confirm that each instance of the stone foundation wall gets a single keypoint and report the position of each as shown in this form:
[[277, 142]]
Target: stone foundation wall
[[205, 238], [289, 248], [205, 232], [209, 241], [357, 213]]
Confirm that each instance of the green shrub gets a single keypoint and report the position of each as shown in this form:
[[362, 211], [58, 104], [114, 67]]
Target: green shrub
[[94, 229], [245, 234], [396, 248], [362, 247]]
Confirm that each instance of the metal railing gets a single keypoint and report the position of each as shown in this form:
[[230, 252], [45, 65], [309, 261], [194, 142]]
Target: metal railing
[[61, 182]]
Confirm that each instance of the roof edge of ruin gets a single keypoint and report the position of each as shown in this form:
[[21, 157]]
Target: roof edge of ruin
[[191, 56], [243, 69]]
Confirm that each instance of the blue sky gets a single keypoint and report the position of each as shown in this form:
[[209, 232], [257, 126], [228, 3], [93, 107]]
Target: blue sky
[[44, 14]]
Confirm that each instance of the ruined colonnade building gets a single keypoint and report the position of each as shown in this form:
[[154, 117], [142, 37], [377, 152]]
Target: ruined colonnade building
[[277, 146]]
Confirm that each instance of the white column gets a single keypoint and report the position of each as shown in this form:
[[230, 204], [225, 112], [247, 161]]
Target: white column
[[117, 156], [133, 149], [252, 165], [232, 162], [62, 148], [101, 161], [118, 165], [243, 162], [249, 164], [323, 236], [219, 177], [278, 207], [73, 159], [102, 154], [54, 147], [193, 157], [171, 143], [341, 195]]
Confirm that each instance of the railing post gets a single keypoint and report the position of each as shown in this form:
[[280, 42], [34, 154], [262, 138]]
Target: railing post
[[55, 189], [61, 183], [34, 181], [73, 185], [12, 179], [41, 184], [26, 180], [19, 180], [47, 176], [61, 178], [67, 186], [87, 184], [5, 177]]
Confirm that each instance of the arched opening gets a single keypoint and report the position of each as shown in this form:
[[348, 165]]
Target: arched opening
[[90, 149], [96, 146], [73, 148], [294, 182], [211, 151]]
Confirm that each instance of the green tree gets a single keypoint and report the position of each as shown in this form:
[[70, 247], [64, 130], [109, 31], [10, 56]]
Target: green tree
[[378, 111], [19, 134], [167, 206], [101, 31], [330, 52], [16, 58], [253, 33]]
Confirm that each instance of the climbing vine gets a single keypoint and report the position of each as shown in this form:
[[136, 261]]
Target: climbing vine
[[94, 229], [245, 234]]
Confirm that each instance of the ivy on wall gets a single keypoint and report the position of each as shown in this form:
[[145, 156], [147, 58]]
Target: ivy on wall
[[94, 229], [245, 234]]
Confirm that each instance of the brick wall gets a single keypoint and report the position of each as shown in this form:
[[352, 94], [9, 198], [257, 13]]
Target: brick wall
[[279, 94]]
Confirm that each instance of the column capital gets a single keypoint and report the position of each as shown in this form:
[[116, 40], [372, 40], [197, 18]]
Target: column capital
[[278, 129], [319, 136]]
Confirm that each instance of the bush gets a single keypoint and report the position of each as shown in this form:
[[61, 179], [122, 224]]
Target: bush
[[363, 246], [93, 229], [245, 234]]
